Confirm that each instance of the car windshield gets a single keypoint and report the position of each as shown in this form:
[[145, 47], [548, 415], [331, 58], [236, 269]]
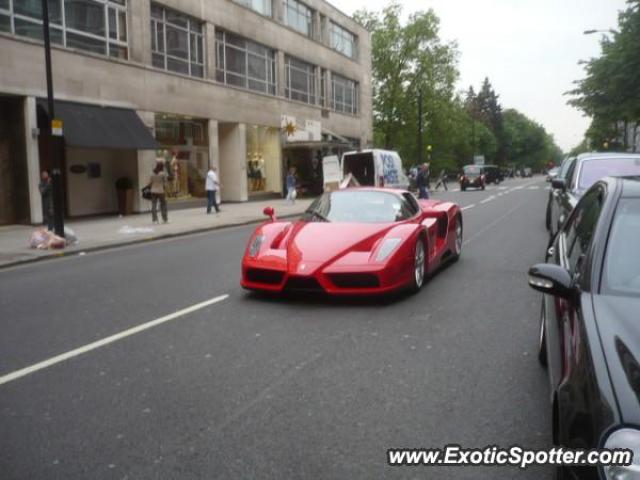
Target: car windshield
[[622, 265], [472, 170], [596, 168], [358, 206]]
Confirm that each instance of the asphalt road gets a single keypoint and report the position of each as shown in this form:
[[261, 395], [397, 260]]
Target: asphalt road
[[253, 387]]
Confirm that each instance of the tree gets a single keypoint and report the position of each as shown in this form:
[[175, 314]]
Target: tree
[[610, 92], [407, 59]]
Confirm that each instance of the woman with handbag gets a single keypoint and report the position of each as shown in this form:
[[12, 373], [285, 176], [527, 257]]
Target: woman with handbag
[[158, 185]]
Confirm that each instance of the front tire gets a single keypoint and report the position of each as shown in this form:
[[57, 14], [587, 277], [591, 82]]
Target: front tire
[[458, 240], [419, 265]]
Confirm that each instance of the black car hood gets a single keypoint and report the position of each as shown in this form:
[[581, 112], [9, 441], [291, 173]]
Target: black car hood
[[619, 326]]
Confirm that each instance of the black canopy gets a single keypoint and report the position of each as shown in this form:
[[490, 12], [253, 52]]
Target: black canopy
[[92, 126]]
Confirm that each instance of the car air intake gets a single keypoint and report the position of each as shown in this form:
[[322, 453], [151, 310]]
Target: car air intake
[[263, 275], [355, 280], [307, 284]]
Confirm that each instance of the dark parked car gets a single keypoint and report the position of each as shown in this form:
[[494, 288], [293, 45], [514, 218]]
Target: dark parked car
[[472, 177], [552, 216], [585, 171], [589, 325], [492, 174]]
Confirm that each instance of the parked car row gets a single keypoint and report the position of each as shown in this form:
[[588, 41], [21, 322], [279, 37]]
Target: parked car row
[[589, 336]]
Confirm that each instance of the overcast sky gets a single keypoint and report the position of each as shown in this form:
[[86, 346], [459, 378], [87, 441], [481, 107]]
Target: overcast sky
[[529, 49]]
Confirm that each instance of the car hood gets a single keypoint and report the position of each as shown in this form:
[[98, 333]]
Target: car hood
[[619, 327], [313, 244]]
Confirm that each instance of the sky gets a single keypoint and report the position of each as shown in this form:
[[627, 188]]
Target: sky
[[529, 49]]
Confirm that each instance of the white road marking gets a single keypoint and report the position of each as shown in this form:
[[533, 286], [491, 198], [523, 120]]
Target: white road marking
[[455, 189], [106, 341], [468, 207], [488, 226], [533, 187], [488, 199], [502, 188]]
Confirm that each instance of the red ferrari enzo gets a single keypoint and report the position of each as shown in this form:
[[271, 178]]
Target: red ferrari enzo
[[356, 241]]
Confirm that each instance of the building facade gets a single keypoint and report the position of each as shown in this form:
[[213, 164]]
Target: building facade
[[252, 87]]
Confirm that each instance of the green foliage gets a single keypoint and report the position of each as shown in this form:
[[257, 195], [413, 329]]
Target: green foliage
[[409, 59], [610, 92], [527, 143]]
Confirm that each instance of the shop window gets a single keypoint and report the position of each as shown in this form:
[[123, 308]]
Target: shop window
[[300, 80], [185, 152], [177, 42], [97, 26], [245, 64], [263, 160]]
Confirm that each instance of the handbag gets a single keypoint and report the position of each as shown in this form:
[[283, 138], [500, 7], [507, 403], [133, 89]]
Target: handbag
[[146, 193]]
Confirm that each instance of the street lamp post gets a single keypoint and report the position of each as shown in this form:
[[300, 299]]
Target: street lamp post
[[420, 129], [56, 174]]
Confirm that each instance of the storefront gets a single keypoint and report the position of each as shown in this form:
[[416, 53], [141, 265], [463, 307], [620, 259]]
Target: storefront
[[184, 149], [264, 161], [14, 188]]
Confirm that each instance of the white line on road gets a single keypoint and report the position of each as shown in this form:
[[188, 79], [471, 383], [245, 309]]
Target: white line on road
[[488, 226], [106, 341], [468, 207], [488, 199]]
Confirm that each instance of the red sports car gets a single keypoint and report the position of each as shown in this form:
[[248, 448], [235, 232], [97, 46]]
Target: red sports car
[[356, 241]]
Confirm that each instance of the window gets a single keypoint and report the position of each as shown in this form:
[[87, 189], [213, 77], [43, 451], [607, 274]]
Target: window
[[299, 17], [263, 7], [342, 40], [300, 80], [323, 87], [621, 272], [581, 227], [98, 26], [176, 42], [245, 64], [344, 95]]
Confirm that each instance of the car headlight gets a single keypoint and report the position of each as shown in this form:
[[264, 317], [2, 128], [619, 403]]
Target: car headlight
[[387, 247], [624, 438], [256, 243]]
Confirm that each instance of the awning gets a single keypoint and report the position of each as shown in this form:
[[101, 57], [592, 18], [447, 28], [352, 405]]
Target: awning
[[92, 126]]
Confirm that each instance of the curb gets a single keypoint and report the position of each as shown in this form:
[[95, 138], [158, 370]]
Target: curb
[[59, 254]]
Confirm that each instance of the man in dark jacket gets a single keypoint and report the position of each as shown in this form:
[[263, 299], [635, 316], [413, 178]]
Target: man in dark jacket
[[422, 181], [46, 192]]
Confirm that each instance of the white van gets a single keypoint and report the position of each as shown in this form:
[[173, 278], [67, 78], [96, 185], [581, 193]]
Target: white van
[[370, 168]]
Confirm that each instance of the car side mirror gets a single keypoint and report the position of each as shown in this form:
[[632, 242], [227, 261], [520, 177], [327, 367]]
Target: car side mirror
[[552, 279], [559, 184], [270, 212]]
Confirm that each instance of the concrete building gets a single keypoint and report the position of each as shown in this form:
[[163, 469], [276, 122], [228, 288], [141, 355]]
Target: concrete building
[[251, 86]]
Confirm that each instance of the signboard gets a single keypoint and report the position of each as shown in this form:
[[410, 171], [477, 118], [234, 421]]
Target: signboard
[[389, 169], [56, 127], [293, 132], [478, 159]]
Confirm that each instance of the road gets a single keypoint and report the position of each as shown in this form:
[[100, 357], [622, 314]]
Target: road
[[252, 387]]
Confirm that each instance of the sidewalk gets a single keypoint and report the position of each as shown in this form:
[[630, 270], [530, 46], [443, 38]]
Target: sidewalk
[[105, 232]]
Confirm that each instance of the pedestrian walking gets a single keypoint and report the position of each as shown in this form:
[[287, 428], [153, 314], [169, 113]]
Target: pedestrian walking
[[158, 185], [46, 192], [442, 180], [291, 186], [422, 181], [212, 184]]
